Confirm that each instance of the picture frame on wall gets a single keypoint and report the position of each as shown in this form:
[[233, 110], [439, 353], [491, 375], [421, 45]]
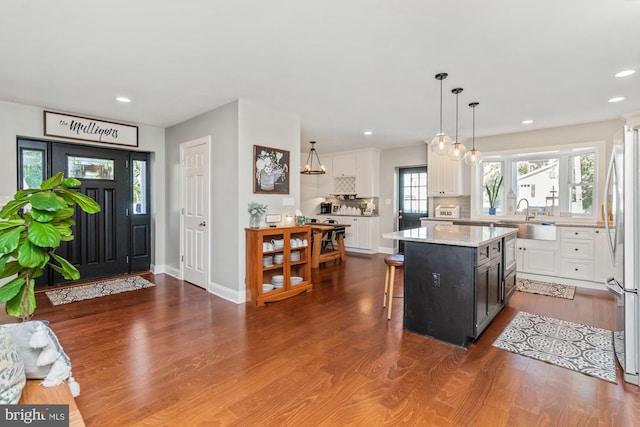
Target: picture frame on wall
[[270, 170]]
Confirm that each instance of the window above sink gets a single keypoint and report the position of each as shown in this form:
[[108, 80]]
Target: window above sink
[[557, 181]]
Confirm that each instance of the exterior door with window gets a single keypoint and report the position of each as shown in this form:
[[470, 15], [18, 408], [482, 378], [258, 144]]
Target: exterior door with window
[[118, 239], [101, 244], [412, 197]]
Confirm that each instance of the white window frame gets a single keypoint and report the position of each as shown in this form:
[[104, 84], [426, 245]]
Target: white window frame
[[531, 153]]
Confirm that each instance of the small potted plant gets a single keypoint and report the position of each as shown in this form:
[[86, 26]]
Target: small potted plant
[[256, 210], [493, 192]]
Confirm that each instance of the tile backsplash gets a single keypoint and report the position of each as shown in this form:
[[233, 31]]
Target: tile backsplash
[[463, 201]]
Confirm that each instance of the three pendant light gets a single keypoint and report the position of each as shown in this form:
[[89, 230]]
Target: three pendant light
[[442, 144]]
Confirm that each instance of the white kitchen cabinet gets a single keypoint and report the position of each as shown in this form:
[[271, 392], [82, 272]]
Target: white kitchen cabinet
[[356, 172], [603, 263], [537, 257], [447, 177], [344, 164], [368, 171], [325, 182], [362, 235], [576, 252]]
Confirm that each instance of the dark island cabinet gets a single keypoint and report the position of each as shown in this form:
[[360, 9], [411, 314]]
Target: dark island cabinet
[[489, 282], [452, 293]]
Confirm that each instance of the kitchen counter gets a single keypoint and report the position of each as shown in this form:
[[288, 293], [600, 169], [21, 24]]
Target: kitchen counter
[[456, 235], [558, 222], [457, 278], [356, 216]]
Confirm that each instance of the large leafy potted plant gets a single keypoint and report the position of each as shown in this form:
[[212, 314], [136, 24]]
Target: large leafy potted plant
[[493, 192], [32, 226]]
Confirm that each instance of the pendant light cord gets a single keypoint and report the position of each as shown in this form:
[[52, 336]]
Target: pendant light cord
[[473, 106], [457, 117], [440, 106]]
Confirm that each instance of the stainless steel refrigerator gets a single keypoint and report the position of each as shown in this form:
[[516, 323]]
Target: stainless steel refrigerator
[[624, 243]]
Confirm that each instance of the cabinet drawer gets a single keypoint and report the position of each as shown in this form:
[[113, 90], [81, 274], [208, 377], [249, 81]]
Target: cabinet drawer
[[495, 249], [576, 269], [579, 249], [489, 251], [576, 233], [483, 254]]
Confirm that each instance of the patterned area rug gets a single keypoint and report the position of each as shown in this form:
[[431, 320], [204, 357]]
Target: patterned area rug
[[581, 348], [545, 288], [96, 290]]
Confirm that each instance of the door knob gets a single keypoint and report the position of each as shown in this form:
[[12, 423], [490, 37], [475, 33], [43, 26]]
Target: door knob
[[202, 224]]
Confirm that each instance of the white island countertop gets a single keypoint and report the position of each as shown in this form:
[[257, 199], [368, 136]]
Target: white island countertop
[[454, 235]]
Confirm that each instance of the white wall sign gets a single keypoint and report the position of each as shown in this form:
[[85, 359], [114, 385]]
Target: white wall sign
[[87, 129]]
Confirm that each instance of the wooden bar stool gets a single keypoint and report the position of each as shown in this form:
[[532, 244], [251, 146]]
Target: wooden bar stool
[[393, 262]]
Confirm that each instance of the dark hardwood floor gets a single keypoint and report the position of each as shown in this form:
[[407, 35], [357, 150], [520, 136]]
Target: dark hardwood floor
[[176, 355]]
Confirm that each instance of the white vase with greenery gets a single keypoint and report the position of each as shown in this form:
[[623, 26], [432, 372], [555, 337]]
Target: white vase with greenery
[[256, 210]]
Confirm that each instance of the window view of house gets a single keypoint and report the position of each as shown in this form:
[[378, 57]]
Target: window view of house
[[537, 181]]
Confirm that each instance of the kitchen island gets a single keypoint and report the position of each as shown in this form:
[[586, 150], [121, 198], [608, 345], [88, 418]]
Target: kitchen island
[[457, 278]]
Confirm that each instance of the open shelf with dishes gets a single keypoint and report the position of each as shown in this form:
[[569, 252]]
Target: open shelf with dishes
[[278, 263]]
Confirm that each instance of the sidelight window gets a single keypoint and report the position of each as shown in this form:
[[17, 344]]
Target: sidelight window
[[33, 168], [139, 187]]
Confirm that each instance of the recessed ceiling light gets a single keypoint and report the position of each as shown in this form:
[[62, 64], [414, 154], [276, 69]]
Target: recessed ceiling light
[[368, 132], [617, 99], [123, 99], [527, 122], [625, 73]]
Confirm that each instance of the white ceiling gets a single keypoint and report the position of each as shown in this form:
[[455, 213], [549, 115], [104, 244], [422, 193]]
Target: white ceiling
[[344, 66]]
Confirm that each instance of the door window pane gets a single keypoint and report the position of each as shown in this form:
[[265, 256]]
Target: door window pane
[[90, 168], [139, 187], [415, 192], [32, 168]]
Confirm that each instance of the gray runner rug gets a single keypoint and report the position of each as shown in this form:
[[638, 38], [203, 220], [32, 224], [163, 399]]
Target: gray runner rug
[[545, 288], [96, 290], [581, 348]]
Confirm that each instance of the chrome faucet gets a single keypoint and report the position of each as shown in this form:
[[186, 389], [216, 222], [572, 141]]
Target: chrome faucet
[[527, 217]]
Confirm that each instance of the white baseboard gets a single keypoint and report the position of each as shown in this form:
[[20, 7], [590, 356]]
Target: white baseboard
[[237, 297], [389, 250], [166, 269]]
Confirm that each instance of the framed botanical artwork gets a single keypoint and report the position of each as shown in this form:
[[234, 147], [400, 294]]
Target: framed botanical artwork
[[270, 170]]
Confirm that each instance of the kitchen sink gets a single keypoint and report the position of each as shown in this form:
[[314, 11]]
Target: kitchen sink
[[537, 231]]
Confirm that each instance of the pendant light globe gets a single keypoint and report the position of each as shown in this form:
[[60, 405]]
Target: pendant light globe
[[473, 156], [457, 150], [441, 143]]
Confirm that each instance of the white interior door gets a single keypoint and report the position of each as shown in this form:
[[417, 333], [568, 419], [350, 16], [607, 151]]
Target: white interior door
[[195, 211]]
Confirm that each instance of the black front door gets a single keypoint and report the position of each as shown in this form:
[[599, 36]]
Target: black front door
[[412, 198], [101, 245]]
